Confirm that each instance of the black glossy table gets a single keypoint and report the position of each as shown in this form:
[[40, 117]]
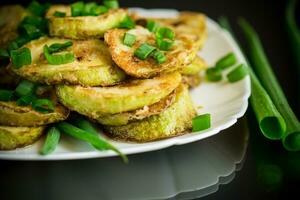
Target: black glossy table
[[269, 171]]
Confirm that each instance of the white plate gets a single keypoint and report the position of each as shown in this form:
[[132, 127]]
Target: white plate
[[224, 101]]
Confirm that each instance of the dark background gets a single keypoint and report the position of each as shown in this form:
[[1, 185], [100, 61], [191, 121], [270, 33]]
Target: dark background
[[269, 171]]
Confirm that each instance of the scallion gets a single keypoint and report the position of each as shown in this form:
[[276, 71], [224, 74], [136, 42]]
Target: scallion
[[43, 105], [51, 141], [77, 8], [164, 43], [127, 23], [271, 123], [98, 10], [58, 59], [201, 122], [87, 9], [56, 47], [25, 100], [143, 51], [31, 31], [38, 9], [129, 39], [159, 56], [24, 88], [237, 73], [59, 14], [291, 138], [6, 95], [20, 57], [97, 142], [214, 74], [165, 32], [111, 4], [3, 53], [226, 61], [152, 26]]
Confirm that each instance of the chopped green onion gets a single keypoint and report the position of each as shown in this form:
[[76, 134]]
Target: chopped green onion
[[291, 138], [3, 53], [112, 4], [56, 47], [127, 23], [6, 95], [36, 21], [152, 26], [271, 123], [144, 51], [159, 56], [84, 124], [25, 100], [51, 142], [38, 9], [226, 61], [31, 31], [129, 39], [165, 32], [58, 59], [59, 14], [87, 9], [98, 10], [201, 122], [12, 46], [77, 8], [43, 105], [24, 88], [214, 74], [96, 141], [20, 57], [237, 74], [164, 44]]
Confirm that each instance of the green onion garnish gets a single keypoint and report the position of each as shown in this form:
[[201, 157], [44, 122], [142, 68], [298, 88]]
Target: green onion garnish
[[24, 88], [129, 39], [113, 4], [144, 51], [226, 61], [237, 74], [127, 23], [38, 9], [152, 26], [271, 123], [59, 14], [56, 47], [20, 57], [159, 56], [213, 74], [43, 105], [164, 43], [25, 100], [98, 10], [12, 46], [201, 122], [96, 141], [6, 95], [77, 8], [58, 59], [291, 138], [51, 141], [164, 32], [87, 9], [3, 53], [84, 124], [30, 31]]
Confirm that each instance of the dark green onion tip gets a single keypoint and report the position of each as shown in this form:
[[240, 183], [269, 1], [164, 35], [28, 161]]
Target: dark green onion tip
[[273, 127], [292, 141]]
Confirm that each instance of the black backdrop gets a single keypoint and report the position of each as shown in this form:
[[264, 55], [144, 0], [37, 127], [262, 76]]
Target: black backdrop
[[267, 16]]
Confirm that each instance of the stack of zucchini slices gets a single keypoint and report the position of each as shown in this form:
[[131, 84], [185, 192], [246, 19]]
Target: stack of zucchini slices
[[130, 74]]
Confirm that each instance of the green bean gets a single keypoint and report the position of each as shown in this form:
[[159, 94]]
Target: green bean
[[291, 138], [270, 121], [51, 141]]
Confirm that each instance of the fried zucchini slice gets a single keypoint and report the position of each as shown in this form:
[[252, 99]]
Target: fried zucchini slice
[[192, 80], [16, 137], [82, 27], [181, 54], [93, 65], [171, 122], [195, 67], [96, 102], [139, 114], [10, 17], [13, 115]]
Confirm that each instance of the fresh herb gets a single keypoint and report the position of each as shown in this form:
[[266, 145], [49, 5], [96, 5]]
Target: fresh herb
[[59, 14], [58, 59], [127, 23], [51, 142], [159, 56], [20, 57], [143, 51], [25, 100], [201, 122], [226, 61], [6, 95], [129, 39], [237, 74], [111, 4], [24, 88], [152, 26], [43, 105], [214, 74]]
